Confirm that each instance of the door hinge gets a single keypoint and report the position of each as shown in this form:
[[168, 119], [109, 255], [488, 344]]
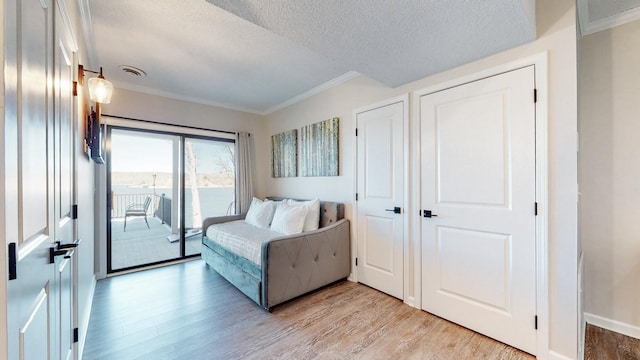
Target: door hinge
[[75, 335], [356, 196], [356, 131], [536, 322], [13, 262], [535, 209], [75, 88], [356, 261], [535, 95], [74, 211]]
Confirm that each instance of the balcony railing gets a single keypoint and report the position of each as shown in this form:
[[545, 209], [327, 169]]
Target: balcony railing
[[120, 202]]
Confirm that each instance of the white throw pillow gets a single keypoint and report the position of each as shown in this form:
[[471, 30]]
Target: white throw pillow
[[312, 220], [260, 213], [289, 219]]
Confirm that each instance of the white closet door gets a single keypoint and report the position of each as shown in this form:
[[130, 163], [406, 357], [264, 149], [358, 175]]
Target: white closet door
[[381, 198], [478, 182]]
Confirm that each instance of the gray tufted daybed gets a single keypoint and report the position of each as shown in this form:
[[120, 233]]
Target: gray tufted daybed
[[288, 265]]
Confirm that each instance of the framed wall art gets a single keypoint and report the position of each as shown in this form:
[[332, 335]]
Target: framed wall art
[[284, 154], [319, 150]]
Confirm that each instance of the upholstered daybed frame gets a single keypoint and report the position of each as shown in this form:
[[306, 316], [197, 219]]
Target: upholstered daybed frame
[[292, 265]]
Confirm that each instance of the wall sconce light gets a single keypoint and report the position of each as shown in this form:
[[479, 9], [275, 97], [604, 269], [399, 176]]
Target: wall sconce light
[[100, 89]]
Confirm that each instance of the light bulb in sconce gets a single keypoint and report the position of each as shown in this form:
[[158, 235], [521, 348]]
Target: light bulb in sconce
[[100, 89]]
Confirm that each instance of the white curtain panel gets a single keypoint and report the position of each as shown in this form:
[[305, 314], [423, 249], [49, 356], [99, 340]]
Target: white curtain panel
[[244, 183]]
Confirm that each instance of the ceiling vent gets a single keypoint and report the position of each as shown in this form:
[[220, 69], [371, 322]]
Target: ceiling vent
[[133, 71]]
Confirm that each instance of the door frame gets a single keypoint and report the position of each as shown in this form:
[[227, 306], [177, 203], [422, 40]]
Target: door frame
[[102, 209], [406, 221], [539, 62]]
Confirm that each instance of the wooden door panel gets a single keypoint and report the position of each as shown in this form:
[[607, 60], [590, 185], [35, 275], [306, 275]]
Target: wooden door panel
[[33, 63], [474, 266], [482, 141], [34, 329], [478, 177], [64, 117], [64, 187], [379, 251], [381, 188], [32, 315], [377, 135], [65, 301]]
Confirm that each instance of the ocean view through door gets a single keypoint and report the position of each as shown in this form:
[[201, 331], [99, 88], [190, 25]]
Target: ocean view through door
[[160, 188]]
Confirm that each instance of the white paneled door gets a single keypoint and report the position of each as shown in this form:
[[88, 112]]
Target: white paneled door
[[380, 202], [478, 206], [64, 186], [38, 154]]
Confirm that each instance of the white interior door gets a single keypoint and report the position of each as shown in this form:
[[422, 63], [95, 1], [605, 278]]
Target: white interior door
[[478, 177], [381, 191], [64, 185], [32, 316]]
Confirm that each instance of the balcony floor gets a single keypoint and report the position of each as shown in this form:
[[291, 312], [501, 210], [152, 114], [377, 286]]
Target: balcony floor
[[140, 245]]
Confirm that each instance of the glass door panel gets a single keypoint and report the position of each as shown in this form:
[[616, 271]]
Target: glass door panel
[[209, 185], [145, 198]]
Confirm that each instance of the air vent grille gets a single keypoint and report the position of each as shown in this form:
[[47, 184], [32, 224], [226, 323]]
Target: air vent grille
[[133, 71]]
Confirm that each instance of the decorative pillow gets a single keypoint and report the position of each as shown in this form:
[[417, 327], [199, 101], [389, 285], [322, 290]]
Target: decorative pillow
[[312, 220], [260, 213], [289, 219]]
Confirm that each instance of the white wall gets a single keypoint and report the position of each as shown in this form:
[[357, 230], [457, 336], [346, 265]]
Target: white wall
[[140, 106], [556, 27], [610, 176]]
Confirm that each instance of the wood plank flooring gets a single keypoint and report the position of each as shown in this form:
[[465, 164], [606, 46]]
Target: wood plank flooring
[[187, 311], [604, 344]]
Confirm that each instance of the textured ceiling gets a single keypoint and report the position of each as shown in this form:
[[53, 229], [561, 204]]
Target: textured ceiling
[[394, 42], [256, 55]]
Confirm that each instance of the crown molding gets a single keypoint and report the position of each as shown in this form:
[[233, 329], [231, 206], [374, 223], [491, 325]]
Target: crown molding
[[588, 27], [175, 96], [87, 31], [316, 90], [66, 19], [167, 94]]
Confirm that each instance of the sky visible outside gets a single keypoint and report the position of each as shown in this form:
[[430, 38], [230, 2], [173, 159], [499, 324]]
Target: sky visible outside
[[142, 152]]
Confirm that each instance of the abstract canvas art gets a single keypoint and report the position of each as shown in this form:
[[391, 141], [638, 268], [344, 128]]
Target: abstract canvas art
[[284, 151], [319, 149]]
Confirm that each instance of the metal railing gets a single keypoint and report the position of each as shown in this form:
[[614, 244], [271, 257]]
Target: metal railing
[[120, 202]]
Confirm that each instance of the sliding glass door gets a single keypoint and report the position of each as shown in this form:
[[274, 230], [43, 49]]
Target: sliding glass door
[[209, 185], [160, 187]]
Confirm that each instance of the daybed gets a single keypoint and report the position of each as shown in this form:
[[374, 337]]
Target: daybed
[[285, 266]]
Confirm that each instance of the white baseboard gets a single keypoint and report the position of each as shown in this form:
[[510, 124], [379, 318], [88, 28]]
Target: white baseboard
[[555, 356], [84, 327], [411, 301], [613, 325]]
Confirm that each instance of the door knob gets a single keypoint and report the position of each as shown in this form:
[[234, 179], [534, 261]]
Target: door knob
[[428, 214], [396, 210], [53, 252]]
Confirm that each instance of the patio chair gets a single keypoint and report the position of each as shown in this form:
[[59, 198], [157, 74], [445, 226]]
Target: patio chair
[[137, 210]]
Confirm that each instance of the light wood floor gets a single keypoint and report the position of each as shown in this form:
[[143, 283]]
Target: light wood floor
[[187, 311], [604, 344]]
